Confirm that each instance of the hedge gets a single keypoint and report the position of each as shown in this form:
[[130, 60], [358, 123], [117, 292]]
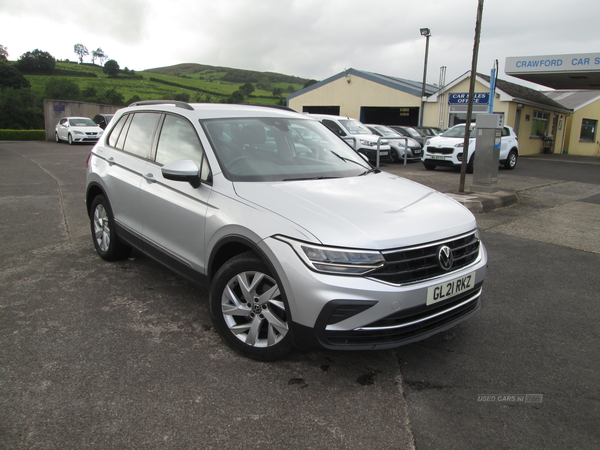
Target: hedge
[[22, 135]]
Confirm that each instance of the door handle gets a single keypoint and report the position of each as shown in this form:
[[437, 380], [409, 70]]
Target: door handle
[[111, 161]]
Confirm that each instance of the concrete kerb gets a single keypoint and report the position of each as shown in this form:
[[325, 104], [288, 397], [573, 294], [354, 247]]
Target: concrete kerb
[[477, 202]]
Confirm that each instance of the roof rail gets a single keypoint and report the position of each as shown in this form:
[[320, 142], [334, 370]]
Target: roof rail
[[179, 104], [265, 105]]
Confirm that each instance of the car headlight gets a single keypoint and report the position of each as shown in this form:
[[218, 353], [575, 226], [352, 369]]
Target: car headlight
[[462, 144], [78, 132], [368, 143], [339, 261]]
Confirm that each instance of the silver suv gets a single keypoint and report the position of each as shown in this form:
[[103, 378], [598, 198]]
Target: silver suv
[[297, 239]]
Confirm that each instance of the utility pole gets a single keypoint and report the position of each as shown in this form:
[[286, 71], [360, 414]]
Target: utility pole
[[427, 33], [463, 167]]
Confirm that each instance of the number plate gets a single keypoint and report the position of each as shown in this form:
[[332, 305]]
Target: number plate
[[437, 156], [383, 153], [449, 289]]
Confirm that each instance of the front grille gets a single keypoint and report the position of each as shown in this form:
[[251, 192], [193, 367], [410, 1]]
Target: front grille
[[410, 325], [413, 264], [441, 150]]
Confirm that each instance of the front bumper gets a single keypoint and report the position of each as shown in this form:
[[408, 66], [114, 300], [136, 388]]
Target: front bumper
[[360, 313]]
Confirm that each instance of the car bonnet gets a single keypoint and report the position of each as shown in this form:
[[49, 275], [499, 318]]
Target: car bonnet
[[375, 211]]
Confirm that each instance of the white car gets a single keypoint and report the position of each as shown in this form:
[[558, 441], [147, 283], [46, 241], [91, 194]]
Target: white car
[[357, 135], [77, 129], [447, 148]]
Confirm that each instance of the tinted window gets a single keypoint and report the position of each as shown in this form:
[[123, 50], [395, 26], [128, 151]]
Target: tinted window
[[116, 131], [140, 133], [334, 127], [178, 140]]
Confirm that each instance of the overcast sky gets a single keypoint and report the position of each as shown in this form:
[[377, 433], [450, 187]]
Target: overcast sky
[[307, 38]]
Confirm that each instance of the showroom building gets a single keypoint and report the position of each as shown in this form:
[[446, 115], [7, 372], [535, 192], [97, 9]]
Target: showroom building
[[375, 98]]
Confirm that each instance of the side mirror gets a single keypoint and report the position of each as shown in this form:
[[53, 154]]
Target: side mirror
[[183, 170]]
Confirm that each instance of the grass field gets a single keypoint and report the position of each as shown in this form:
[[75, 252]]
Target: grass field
[[202, 83]]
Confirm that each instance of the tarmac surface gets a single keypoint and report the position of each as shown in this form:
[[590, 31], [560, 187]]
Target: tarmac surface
[[123, 355]]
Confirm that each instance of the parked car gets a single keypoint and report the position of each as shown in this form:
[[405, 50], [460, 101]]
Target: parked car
[[77, 129], [447, 149], [357, 135], [410, 132], [397, 143], [297, 241], [102, 120], [429, 131]]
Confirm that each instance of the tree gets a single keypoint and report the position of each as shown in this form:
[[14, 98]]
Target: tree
[[277, 92], [11, 77], [111, 68], [3, 53], [62, 89], [81, 51], [111, 97], [237, 97], [247, 88], [309, 83], [97, 54], [182, 97], [20, 110], [36, 61]]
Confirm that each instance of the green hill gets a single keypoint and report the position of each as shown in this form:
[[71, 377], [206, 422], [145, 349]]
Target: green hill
[[202, 83]]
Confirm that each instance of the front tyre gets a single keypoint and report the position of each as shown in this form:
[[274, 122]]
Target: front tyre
[[70, 139], [105, 239], [248, 309], [511, 161], [56, 138]]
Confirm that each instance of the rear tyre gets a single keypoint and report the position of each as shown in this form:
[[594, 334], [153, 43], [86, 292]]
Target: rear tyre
[[394, 156], [511, 161], [105, 239], [429, 166], [249, 310]]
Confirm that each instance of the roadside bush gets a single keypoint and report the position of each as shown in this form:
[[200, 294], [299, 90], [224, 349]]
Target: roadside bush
[[22, 135]]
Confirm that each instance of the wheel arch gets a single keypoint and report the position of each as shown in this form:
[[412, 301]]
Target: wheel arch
[[93, 190], [231, 246]]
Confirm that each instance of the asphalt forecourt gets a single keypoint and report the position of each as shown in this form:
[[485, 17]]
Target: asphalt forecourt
[[123, 355]]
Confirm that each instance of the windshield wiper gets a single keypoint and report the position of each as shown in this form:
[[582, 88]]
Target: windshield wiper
[[367, 172], [309, 178]]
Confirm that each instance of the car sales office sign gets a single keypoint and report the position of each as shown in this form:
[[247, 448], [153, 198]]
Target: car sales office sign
[[479, 98]]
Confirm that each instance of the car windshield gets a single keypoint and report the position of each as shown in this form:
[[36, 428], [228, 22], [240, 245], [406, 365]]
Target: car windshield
[[276, 149], [388, 132], [413, 132], [354, 126], [456, 132], [82, 122]]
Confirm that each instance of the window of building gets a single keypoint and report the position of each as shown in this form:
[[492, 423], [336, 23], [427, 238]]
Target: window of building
[[539, 124], [588, 130], [458, 113]]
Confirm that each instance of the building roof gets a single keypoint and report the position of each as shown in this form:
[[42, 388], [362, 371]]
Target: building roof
[[574, 99], [400, 84], [524, 94]]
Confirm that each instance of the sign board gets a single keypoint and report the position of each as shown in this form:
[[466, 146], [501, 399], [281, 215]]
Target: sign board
[[59, 107], [583, 62], [460, 98]]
